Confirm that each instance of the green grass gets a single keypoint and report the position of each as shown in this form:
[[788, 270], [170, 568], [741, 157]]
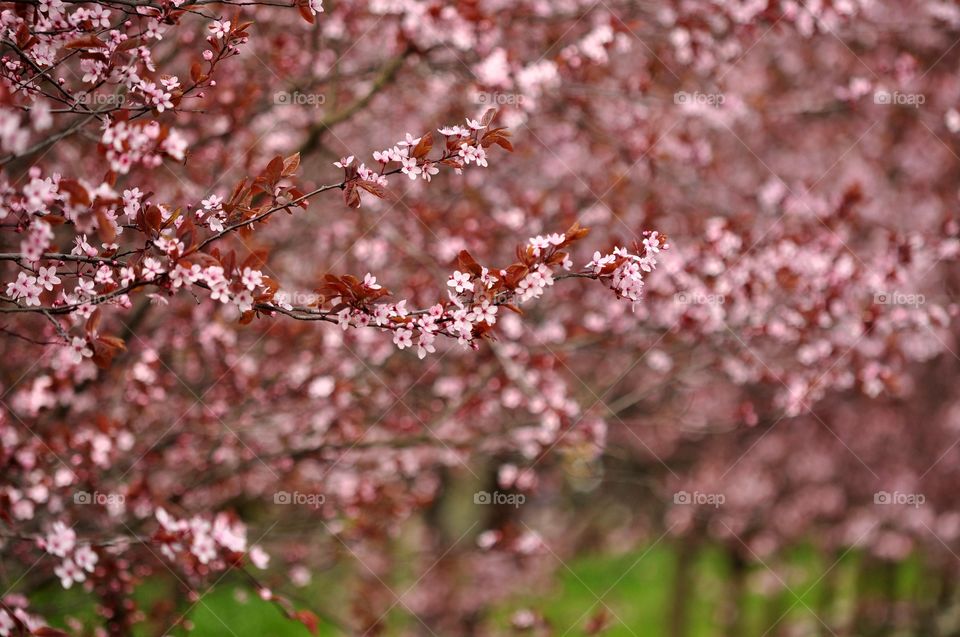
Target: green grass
[[635, 589], [220, 612]]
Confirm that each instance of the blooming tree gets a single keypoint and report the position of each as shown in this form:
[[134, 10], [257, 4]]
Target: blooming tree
[[267, 262]]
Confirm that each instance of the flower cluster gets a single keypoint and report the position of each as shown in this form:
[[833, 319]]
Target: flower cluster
[[475, 293], [78, 560], [204, 544], [129, 143], [148, 222], [625, 269]]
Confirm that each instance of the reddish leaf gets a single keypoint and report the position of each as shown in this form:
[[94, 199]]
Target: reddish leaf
[[310, 620], [497, 136], [86, 42], [468, 263], [229, 261], [104, 349], [274, 170], [574, 233], [514, 273], [24, 38], [271, 287], [187, 234], [305, 12], [239, 191], [423, 146], [114, 341], [290, 164], [257, 259], [78, 194], [372, 187], [488, 116], [93, 323], [105, 227], [129, 43], [350, 195], [297, 194], [149, 220], [504, 143]]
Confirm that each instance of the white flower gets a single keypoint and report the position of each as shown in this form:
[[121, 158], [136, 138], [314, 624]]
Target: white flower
[[219, 29], [460, 281], [403, 338]]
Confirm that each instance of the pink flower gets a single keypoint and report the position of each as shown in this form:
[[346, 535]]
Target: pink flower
[[244, 300], [104, 275], [220, 29], [453, 130], [410, 141], [403, 338], [79, 350], [487, 279], [251, 279], [69, 572], [460, 281], [410, 168], [61, 539], [85, 558], [151, 269], [652, 242], [371, 281], [259, 557], [27, 288], [99, 17], [486, 312], [213, 202], [203, 548], [343, 318], [425, 344], [473, 154], [7, 625], [429, 170]]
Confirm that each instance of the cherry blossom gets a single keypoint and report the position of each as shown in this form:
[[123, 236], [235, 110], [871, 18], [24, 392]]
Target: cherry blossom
[[250, 255]]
